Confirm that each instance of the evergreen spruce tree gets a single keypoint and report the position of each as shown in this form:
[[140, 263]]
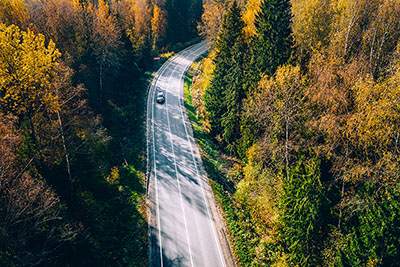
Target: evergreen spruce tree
[[269, 49], [223, 97], [271, 46], [301, 204], [233, 96]]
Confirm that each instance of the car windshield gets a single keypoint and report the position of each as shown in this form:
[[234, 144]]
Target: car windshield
[[160, 94]]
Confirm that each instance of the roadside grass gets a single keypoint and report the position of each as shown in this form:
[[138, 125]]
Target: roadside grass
[[242, 235], [212, 158]]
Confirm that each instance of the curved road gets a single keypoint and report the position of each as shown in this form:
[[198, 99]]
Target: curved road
[[181, 227]]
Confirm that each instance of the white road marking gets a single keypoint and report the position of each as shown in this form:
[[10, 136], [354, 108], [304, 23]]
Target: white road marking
[[155, 168], [154, 84], [159, 74], [176, 169], [198, 173]]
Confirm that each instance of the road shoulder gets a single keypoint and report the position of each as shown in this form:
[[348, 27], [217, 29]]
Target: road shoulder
[[215, 208]]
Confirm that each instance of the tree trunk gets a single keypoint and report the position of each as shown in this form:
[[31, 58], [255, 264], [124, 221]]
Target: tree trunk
[[286, 146], [101, 80], [65, 151], [42, 165], [34, 137], [340, 210]]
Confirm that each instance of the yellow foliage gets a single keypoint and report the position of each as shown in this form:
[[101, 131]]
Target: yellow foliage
[[201, 81], [105, 28], [13, 12], [252, 8], [135, 16], [281, 261], [311, 23], [158, 23], [167, 55], [27, 68], [76, 4], [373, 129], [383, 34], [212, 18], [376, 122], [113, 178], [258, 190], [346, 27], [139, 15]]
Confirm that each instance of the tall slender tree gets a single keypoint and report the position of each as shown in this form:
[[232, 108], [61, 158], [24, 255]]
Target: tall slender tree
[[271, 46], [233, 96], [225, 93]]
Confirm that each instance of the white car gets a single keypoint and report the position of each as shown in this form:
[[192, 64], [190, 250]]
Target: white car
[[160, 97]]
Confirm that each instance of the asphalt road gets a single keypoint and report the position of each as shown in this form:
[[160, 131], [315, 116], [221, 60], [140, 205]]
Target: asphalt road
[[181, 227]]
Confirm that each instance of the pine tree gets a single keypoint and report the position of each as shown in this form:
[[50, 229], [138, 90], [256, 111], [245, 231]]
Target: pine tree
[[269, 49], [302, 200], [223, 97], [233, 95], [271, 46]]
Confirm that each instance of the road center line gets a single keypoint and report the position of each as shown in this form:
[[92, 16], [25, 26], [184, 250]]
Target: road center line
[[159, 74], [176, 169]]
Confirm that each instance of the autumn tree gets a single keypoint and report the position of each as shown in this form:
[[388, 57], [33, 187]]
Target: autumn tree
[[252, 8], [311, 25], [201, 81], [27, 69], [31, 215], [106, 36], [348, 94], [138, 15], [381, 37], [277, 110], [57, 21], [158, 24], [14, 12], [212, 18], [25, 80], [372, 167], [319, 140], [60, 153], [71, 131]]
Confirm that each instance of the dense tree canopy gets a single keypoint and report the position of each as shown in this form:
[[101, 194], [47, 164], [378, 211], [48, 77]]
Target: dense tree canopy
[[319, 178], [72, 84], [27, 71], [302, 96]]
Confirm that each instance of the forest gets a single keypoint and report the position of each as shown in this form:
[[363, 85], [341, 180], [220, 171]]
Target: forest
[[299, 110], [73, 84], [301, 100]]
